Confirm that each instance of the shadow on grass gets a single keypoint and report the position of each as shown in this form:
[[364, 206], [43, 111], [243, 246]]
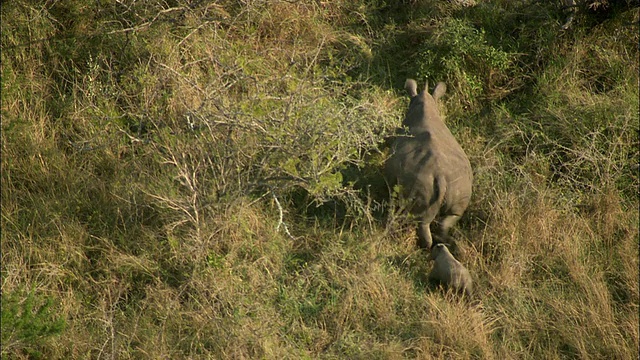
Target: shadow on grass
[[415, 268]]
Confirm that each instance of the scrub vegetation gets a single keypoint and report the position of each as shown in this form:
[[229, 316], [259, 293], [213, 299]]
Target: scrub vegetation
[[203, 179]]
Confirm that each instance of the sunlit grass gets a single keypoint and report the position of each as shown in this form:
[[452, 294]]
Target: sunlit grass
[[204, 181]]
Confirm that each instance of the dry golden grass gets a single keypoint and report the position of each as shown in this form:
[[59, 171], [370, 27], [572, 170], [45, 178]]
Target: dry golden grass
[[204, 182]]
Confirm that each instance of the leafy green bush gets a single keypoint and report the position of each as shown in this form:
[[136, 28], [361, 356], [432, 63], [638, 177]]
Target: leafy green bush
[[28, 321], [459, 54]]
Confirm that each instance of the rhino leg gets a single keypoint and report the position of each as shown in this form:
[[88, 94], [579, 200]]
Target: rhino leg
[[424, 235], [447, 222], [443, 230], [424, 231]]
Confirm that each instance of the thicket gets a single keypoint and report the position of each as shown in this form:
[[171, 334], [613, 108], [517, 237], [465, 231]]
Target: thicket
[[203, 179]]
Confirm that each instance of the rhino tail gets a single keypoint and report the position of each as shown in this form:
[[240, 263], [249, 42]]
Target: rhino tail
[[440, 185]]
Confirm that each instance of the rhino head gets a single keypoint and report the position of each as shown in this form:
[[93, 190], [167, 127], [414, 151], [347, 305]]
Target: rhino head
[[423, 107]]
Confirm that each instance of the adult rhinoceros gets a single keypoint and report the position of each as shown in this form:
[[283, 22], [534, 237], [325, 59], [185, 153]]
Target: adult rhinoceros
[[433, 171]]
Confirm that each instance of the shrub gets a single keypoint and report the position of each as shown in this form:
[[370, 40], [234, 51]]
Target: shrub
[[28, 321], [459, 54]]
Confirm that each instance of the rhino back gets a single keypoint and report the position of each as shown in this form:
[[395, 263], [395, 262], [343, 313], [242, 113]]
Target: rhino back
[[418, 159], [432, 137], [428, 162], [450, 271]]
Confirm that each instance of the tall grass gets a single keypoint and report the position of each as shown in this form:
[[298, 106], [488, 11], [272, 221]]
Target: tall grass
[[203, 180]]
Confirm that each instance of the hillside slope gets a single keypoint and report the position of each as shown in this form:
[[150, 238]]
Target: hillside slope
[[203, 179]]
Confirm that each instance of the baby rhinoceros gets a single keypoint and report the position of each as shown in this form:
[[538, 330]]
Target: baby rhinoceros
[[430, 165], [449, 271]]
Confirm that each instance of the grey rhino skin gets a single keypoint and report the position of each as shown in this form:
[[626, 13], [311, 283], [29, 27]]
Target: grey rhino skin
[[429, 164], [449, 271]]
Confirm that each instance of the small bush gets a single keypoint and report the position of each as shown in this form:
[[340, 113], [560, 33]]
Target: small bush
[[459, 54], [28, 322]]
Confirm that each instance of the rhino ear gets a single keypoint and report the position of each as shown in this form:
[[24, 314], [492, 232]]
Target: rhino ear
[[440, 89], [435, 250], [412, 87]]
